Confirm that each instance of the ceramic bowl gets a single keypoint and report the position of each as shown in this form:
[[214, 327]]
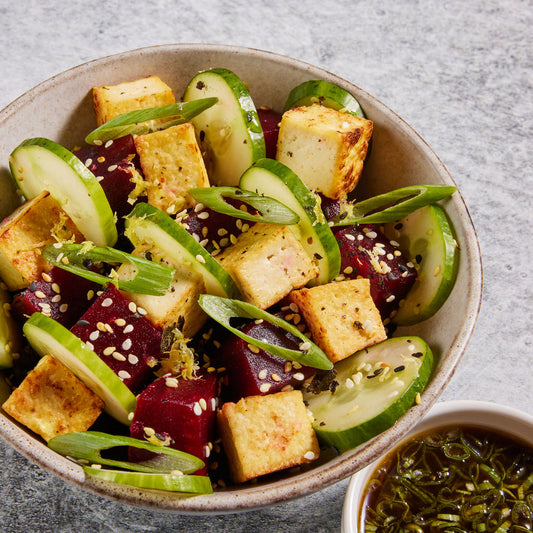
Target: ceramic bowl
[[488, 415], [61, 109]]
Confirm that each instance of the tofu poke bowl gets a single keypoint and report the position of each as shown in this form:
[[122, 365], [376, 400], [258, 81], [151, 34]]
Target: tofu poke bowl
[[229, 278]]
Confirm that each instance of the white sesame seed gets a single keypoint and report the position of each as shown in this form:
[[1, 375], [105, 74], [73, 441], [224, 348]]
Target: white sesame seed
[[56, 298], [171, 382], [128, 329], [88, 162], [298, 376], [349, 383], [120, 322], [305, 346], [108, 143], [309, 455], [94, 335], [197, 409], [275, 377], [349, 236], [203, 404], [132, 306], [109, 350], [126, 345], [89, 345], [63, 308], [265, 387], [213, 404], [122, 374], [118, 356], [253, 349], [40, 294], [112, 168], [262, 373], [133, 359], [207, 451], [198, 207], [391, 298], [203, 215], [200, 259], [141, 310]]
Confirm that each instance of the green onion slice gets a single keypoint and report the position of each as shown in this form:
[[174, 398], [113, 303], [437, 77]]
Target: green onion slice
[[270, 209], [148, 120], [150, 278], [88, 445], [401, 202], [174, 482], [224, 309]]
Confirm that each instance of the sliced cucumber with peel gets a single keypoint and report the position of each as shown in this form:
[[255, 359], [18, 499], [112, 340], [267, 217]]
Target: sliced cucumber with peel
[[46, 336], [158, 481], [324, 93], [274, 179], [40, 164], [149, 226], [376, 386], [427, 236], [230, 129]]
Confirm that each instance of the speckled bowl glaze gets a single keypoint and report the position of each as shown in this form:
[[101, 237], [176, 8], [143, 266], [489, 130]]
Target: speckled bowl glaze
[[492, 416], [61, 109]]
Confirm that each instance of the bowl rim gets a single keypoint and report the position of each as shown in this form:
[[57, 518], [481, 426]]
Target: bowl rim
[[501, 415], [302, 484]]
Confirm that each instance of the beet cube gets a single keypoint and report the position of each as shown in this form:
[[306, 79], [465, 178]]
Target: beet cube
[[252, 371], [270, 120], [367, 253], [214, 231], [114, 163], [180, 412], [58, 294], [122, 336]]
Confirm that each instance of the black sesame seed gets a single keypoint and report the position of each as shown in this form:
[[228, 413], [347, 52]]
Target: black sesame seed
[[417, 354], [82, 322], [418, 258], [33, 286], [399, 368]]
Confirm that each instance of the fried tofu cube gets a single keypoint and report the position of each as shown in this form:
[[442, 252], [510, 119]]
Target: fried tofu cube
[[51, 401], [112, 100], [178, 307], [264, 434], [267, 262], [326, 148], [341, 317], [172, 164], [36, 224]]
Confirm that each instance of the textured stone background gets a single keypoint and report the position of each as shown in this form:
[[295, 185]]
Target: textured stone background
[[459, 72]]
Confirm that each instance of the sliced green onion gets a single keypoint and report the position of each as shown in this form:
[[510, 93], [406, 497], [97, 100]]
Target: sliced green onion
[[401, 202], [88, 445], [270, 209], [142, 121], [150, 278], [224, 309], [174, 482]]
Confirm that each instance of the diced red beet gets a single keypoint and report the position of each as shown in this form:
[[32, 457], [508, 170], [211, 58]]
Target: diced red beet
[[330, 207], [252, 371], [270, 120], [367, 253], [59, 294], [125, 339], [214, 230], [180, 410], [114, 162]]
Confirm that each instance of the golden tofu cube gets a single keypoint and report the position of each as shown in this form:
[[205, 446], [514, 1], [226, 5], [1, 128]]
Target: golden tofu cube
[[172, 164], [51, 401], [341, 317], [267, 262], [145, 93], [264, 434], [324, 147], [178, 307], [36, 224]]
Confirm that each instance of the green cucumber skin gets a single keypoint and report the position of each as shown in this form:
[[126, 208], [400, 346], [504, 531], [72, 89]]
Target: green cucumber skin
[[250, 144], [301, 200], [42, 332], [189, 245], [37, 148], [328, 94], [415, 309], [354, 436]]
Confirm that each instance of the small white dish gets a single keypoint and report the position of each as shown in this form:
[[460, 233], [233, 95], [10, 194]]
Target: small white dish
[[492, 416]]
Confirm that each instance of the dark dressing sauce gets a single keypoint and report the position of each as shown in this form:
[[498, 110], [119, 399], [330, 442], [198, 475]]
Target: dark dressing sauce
[[453, 479]]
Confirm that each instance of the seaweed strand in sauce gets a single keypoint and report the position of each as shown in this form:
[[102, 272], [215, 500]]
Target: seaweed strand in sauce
[[454, 479]]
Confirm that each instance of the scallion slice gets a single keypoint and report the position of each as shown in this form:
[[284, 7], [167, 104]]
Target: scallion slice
[[88, 445], [149, 120], [174, 482], [224, 309], [270, 209], [401, 202], [150, 278]]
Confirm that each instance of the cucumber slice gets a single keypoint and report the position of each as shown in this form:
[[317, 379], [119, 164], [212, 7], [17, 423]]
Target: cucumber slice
[[169, 482], [272, 178], [149, 225], [324, 93], [42, 165], [230, 129], [46, 336], [10, 334], [427, 236], [375, 387]]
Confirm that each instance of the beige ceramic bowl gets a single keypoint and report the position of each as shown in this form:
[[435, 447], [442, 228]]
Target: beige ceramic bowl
[[60, 109], [491, 416]]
